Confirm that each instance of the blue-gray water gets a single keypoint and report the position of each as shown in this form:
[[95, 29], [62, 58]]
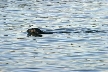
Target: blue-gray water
[[58, 52]]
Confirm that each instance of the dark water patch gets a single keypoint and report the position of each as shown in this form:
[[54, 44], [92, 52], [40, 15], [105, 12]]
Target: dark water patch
[[31, 68], [5, 35], [13, 10], [80, 30], [20, 38], [28, 69], [86, 70], [3, 6]]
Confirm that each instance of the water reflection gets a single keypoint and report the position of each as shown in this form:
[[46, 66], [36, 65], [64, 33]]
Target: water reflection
[[84, 48]]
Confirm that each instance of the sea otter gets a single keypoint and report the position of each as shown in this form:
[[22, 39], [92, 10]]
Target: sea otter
[[36, 32]]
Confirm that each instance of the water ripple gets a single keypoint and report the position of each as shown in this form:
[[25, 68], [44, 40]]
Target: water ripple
[[84, 48]]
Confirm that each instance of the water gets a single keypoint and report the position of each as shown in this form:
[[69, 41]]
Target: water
[[58, 52]]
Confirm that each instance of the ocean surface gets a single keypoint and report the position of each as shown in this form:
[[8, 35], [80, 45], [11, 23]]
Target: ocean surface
[[84, 49]]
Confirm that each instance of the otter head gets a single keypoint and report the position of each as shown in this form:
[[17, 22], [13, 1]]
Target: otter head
[[34, 32]]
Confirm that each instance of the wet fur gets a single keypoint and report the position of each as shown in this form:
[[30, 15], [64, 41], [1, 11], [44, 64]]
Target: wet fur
[[36, 32]]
